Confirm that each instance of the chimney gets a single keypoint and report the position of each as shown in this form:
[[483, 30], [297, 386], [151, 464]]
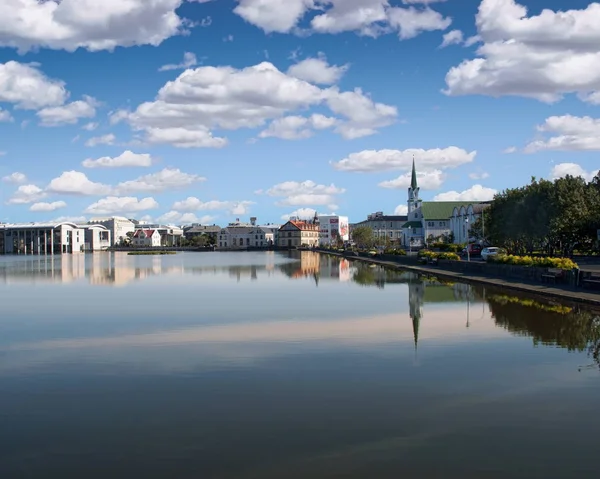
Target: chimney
[[253, 220]]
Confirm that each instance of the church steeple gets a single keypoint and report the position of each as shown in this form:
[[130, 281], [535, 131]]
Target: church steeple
[[413, 192]]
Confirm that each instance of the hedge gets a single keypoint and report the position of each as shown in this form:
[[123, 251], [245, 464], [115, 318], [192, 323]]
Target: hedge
[[450, 247], [396, 251], [540, 262], [425, 253]]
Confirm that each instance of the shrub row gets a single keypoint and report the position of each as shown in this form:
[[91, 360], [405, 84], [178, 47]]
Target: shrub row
[[396, 251], [450, 247], [540, 262], [425, 253]]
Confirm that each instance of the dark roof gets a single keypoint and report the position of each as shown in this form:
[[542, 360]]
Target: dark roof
[[202, 229], [412, 224], [384, 218], [413, 180]]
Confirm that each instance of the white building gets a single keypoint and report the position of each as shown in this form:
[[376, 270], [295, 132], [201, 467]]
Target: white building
[[146, 238], [97, 237], [239, 235], [463, 218], [271, 232], [117, 225], [169, 235], [43, 238], [333, 229]]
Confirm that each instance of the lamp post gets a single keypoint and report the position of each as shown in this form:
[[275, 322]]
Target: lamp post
[[468, 252]]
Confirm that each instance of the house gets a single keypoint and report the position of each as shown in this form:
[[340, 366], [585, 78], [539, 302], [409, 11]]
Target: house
[[169, 235], [43, 238], [333, 229], [118, 227], [388, 227], [297, 233], [239, 235], [146, 238]]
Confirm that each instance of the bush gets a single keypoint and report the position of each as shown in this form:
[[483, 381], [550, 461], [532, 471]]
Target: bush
[[450, 247], [449, 256], [395, 251], [427, 254], [539, 262]]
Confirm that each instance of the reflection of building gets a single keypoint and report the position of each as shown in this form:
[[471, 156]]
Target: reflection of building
[[333, 229], [333, 267], [297, 233], [308, 265]]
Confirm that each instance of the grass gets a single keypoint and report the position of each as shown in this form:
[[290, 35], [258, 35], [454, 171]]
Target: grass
[[142, 253]]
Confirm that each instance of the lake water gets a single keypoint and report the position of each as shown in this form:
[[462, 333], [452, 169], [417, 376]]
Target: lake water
[[286, 365]]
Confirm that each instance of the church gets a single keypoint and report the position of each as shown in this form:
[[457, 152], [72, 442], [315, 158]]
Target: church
[[430, 221]]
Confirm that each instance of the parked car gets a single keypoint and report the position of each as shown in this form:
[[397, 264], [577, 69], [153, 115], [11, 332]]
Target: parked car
[[473, 250], [491, 251]]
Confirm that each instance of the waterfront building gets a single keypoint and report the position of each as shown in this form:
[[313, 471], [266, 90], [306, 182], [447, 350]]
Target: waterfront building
[[238, 235], [386, 228], [118, 227], [148, 238], [296, 233], [195, 230], [169, 235], [43, 238], [332, 229], [271, 232], [97, 237], [463, 218]]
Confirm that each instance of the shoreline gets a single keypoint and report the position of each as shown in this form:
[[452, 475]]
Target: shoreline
[[565, 294]]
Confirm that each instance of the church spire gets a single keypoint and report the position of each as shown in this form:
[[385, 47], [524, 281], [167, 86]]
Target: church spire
[[413, 180]]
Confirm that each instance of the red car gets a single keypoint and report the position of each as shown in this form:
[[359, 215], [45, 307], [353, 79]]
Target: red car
[[474, 250]]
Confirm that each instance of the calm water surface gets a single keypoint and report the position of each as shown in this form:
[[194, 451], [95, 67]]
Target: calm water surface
[[267, 365]]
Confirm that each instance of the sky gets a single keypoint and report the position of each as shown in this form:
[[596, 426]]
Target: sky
[[183, 111]]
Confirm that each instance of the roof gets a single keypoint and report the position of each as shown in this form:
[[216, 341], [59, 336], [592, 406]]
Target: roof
[[240, 230], [40, 225], [269, 229], [413, 224], [304, 225], [148, 233], [441, 210], [202, 229], [383, 218], [413, 179]]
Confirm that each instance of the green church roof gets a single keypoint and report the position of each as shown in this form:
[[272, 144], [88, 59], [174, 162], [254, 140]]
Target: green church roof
[[440, 210], [413, 180], [412, 224]]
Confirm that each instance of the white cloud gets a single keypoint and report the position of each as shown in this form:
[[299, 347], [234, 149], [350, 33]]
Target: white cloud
[[69, 219], [175, 217], [200, 100], [541, 56], [297, 127], [318, 71], [5, 116], [15, 178], [101, 140], [479, 176], [26, 194], [571, 133], [510, 150], [166, 179], [411, 22], [76, 183], [386, 160], [90, 126], [301, 213], [91, 24], [45, 207], [427, 180], [125, 159], [563, 169], [401, 210], [475, 193], [26, 86], [69, 113], [189, 60], [273, 15], [194, 204], [453, 37], [115, 204], [305, 193]]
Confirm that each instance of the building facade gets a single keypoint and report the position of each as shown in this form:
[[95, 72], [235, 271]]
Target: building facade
[[296, 233], [118, 227], [43, 238], [169, 235], [147, 238], [386, 228], [97, 238], [463, 218], [196, 230], [333, 229]]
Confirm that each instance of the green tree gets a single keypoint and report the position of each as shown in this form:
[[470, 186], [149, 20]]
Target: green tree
[[363, 236]]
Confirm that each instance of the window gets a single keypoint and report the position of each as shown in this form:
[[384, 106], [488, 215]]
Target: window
[[391, 224], [391, 234], [414, 231], [442, 223], [415, 215]]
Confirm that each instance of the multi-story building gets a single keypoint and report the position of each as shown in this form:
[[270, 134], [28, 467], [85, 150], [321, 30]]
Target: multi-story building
[[118, 227], [386, 228], [239, 235], [297, 233], [271, 232], [43, 238], [97, 237], [148, 238], [169, 235], [195, 230], [333, 229], [463, 218]]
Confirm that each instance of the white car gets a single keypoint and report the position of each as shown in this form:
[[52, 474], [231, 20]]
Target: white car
[[492, 251]]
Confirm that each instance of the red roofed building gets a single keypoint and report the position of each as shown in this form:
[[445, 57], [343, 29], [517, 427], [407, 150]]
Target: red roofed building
[[297, 233], [146, 237]]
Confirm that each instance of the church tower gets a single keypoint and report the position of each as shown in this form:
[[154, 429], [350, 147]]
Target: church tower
[[413, 192]]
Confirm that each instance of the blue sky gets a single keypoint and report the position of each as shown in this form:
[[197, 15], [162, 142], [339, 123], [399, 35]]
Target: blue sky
[[182, 111]]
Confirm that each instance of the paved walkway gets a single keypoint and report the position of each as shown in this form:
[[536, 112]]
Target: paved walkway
[[565, 292]]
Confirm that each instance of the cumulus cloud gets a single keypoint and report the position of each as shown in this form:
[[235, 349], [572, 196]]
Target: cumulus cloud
[[189, 60], [304, 193], [428, 180], [475, 193], [572, 169], [108, 139], [123, 204], [453, 37], [15, 178], [92, 24], [479, 176], [69, 113], [5, 116], [301, 213], [26, 194], [76, 183], [387, 160], [401, 210], [26, 86], [187, 109], [90, 126], [175, 217], [540, 56], [45, 207], [194, 204], [317, 70], [126, 159], [297, 127], [568, 133]]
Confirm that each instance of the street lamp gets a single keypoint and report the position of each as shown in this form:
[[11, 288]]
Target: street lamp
[[468, 252]]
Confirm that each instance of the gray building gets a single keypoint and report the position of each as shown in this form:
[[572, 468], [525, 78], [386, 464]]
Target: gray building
[[386, 228]]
